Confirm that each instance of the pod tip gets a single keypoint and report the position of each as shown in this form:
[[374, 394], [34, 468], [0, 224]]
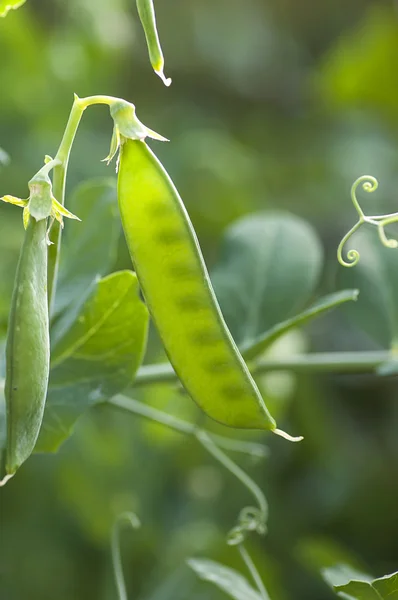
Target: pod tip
[[288, 437], [166, 80], [5, 479]]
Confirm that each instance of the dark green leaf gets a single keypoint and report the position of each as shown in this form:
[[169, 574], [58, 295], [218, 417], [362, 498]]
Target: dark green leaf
[[268, 270], [6, 5], [98, 356], [320, 307], [351, 584], [88, 248], [376, 276], [229, 581]]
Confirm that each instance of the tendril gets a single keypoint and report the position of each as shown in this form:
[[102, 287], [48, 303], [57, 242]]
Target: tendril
[[369, 184], [387, 242], [353, 256], [250, 519]]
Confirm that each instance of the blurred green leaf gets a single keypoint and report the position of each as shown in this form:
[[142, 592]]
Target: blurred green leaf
[[320, 307], [376, 276], [98, 356], [6, 5], [228, 580], [268, 270], [88, 248], [351, 584], [360, 70], [321, 553]]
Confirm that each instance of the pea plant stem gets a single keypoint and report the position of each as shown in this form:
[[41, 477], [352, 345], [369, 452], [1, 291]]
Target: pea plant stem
[[253, 571], [59, 180], [317, 362], [209, 445], [123, 519], [153, 414], [210, 442]]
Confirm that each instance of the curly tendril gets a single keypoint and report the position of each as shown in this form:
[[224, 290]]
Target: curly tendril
[[369, 184]]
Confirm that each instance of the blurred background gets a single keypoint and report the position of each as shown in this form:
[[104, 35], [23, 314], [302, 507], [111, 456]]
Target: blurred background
[[275, 105]]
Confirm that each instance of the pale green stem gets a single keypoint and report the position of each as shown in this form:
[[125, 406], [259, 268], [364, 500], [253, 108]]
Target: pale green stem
[[153, 414], [233, 468], [253, 571], [321, 362], [124, 518], [59, 180]]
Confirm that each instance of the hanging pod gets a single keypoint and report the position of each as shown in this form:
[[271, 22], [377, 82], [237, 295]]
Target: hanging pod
[[28, 338], [177, 288], [28, 348], [146, 11]]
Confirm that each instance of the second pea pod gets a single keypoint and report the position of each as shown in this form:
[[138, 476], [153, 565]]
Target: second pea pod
[[177, 288]]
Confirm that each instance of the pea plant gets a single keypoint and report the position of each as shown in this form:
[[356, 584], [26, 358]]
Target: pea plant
[[77, 338]]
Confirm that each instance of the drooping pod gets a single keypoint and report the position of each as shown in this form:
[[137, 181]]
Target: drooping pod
[[147, 16], [28, 339], [28, 348], [177, 288]]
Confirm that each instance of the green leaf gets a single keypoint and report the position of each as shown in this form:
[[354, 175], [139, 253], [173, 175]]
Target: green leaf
[[88, 248], [376, 276], [97, 357], [268, 270], [367, 54], [6, 5], [354, 585], [320, 307], [229, 581]]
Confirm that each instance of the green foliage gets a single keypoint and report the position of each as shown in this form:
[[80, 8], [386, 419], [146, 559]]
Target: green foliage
[[276, 107], [228, 580], [7, 5], [87, 253], [268, 270], [376, 312], [97, 357], [353, 585], [320, 307]]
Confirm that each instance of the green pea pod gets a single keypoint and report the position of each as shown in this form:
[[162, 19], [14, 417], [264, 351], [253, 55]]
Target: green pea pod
[[147, 16], [179, 294], [28, 348]]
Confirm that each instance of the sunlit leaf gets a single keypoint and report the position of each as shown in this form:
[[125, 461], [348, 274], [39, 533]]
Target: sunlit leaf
[[268, 270], [229, 581], [353, 585], [98, 356], [7, 5]]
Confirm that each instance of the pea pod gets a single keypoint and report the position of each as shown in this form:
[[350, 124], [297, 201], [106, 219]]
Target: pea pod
[[179, 294], [28, 340], [28, 348], [147, 16]]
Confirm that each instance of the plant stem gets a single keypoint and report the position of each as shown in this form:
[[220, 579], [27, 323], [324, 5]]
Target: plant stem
[[233, 468], [320, 362], [59, 180], [253, 571], [153, 414], [131, 519]]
